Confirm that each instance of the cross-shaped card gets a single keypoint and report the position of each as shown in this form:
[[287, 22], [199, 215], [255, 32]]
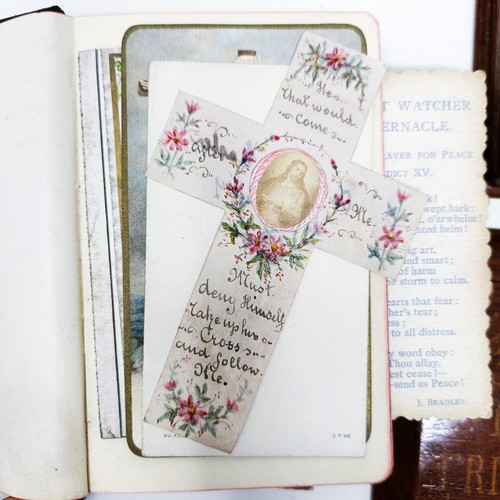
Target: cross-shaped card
[[288, 187]]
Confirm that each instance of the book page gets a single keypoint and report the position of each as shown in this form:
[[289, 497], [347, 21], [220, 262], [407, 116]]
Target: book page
[[112, 465], [434, 140], [42, 422]]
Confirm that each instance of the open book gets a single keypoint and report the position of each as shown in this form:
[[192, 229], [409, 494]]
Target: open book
[[61, 407]]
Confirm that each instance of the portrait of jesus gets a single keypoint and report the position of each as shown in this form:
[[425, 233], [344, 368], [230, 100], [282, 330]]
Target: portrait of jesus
[[287, 190]]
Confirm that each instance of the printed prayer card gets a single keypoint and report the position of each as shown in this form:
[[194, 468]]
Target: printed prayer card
[[287, 187]]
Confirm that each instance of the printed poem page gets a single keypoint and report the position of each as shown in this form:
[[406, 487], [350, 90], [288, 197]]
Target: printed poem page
[[434, 137]]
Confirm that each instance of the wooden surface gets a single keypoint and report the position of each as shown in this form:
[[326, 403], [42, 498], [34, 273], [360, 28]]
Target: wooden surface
[[461, 460], [487, 58], [446, 459]]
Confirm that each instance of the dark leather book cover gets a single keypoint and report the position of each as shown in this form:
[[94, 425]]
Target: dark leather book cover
[[54, 8]]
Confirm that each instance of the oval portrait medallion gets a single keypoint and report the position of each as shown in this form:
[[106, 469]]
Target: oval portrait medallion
[[285, 188]]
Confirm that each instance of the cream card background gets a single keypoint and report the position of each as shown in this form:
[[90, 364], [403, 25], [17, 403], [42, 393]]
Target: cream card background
[[294, 382], [206, 314]]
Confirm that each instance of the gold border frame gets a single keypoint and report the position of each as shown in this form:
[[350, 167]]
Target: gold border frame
[[125, 210]]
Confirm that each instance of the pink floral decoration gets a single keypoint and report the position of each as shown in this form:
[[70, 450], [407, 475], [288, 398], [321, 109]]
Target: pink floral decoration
[[171, 385], [247, 156], [190, 411], [402, 195], [320, 227], [232, 405], [192, 107], [340, 201], [391, 237], [175, 139], [277, 247], [337, 58], [236, 187], [257, 242]]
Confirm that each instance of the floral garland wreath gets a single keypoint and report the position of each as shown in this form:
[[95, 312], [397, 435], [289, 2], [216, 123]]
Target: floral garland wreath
[[265, 248]]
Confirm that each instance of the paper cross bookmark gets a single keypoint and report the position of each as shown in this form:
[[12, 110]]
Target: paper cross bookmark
[[283, 194]]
